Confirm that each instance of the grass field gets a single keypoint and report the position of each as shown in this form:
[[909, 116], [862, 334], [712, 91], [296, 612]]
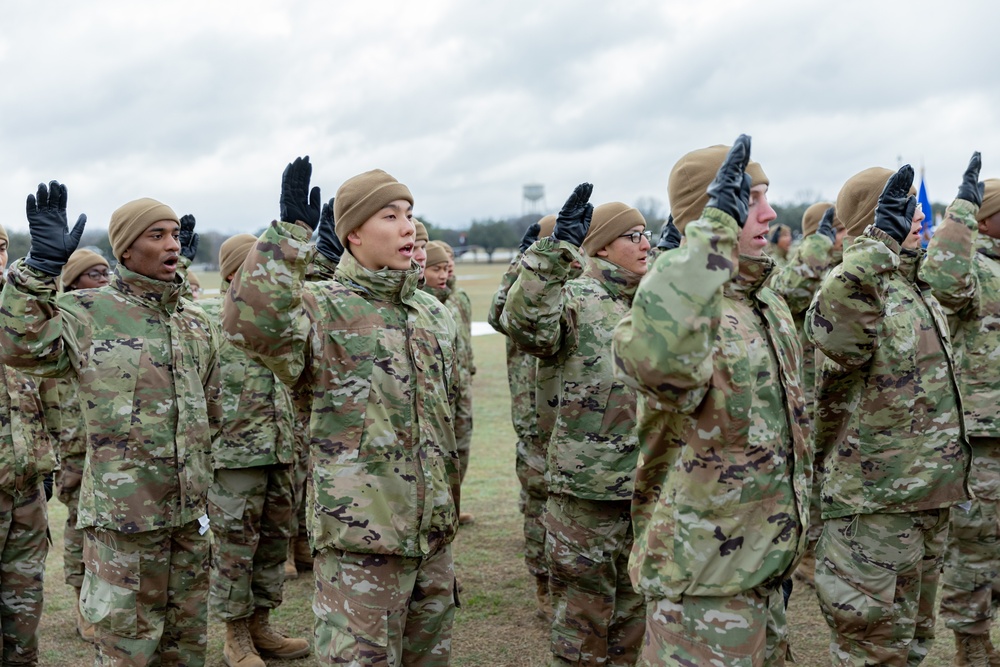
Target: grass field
[[496, 626]]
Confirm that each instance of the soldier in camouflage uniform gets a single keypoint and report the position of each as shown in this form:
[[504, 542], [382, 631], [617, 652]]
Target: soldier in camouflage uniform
[[963, 269], [250, 502], [780, 244], [797, 282], [722, 486], [889, 429], [27, 416], [148, 370], [591, 456], [378, 359], [85, 269], [529, 457]]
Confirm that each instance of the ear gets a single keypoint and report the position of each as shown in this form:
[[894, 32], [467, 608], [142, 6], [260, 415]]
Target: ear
[[354, 238], [603, 252]]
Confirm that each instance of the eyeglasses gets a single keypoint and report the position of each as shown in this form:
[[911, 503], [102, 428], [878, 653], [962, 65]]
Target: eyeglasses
[[637, 236], [96, 274]]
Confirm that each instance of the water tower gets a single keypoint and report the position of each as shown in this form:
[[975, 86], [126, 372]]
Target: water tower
[[533, 199]]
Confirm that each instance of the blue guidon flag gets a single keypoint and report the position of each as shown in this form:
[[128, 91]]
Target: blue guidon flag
[[927, 226]]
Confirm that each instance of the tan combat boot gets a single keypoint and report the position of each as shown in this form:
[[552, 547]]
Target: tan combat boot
[[465, 518], [272, 644], [291, 572], [238, 650], [974, 650], [84, 628], [544, 610], [303, 553]]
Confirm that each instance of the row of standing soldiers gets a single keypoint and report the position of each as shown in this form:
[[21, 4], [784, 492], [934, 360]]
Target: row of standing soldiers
[[696, 428], [199, 439]]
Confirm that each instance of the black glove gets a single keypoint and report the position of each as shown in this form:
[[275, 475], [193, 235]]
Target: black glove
[[730, 191], [573, 220], [188, 239], [328, 244], [826, 225], [530, 236], [298, 202], [896, 206], [971, 190], [51, 240], [670, 236]]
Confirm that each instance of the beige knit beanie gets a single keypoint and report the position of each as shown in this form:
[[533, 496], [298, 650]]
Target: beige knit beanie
[[132, 219], [858, 198], [361, 197], [991, 199], [233, 251], [80, 261], [546, 225], [813, 215], [421, 234], [610, 221], [3, 234], [437, 253], [690, 178], [192, 278]]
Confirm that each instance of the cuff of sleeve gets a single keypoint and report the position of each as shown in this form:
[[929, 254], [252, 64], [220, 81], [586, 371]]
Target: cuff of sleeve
[[879, 235]]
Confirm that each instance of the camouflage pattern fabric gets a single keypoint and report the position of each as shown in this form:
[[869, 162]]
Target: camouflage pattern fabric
[[722, 486], [529, 456], [28, 416], [380, 609], [877, 581], [743, 630], [889, 414], [24, 544], [599, 618], [251, 518], [139, 349], [593, 448], [129, 580], [380, 357], [963, 269], [68, 480], [972, 561], [257, 411]]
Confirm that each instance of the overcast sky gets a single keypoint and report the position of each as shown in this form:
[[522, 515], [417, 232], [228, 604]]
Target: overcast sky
[[202, 104]]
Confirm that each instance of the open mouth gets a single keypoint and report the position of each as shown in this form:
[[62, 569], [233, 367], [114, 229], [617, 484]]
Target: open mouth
[[171, 263], [407, 250]]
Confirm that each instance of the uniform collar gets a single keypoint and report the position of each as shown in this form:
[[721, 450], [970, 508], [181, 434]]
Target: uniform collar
[[617, 281], [385, 284], [156, 294], [753, 273], [989, 246]]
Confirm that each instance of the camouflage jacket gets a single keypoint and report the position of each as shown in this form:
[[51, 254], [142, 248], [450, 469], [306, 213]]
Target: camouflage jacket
[[71, 435], [463, 357], [26, 422], [257, 411], [888, 412], [722, 487], [378, 359], [521, 368], [797, 282], [963, 269], [148, 371], [593, 449]]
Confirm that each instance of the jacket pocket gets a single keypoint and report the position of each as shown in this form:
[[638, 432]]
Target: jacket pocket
[[109, 595]]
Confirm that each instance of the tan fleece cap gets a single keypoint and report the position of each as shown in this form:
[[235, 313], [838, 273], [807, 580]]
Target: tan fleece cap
[[3, 234], [437, 253], [233, 251], [78, 263], [991, 199], [610, 221], [192, 279], [812, 216], [132, 219], [361, 197], [421, 234], [858, 198], [690, 178], [546, 225]]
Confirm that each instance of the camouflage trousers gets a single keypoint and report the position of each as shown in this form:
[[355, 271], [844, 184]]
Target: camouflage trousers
[[534, 494], [146, 593], [68, 485], [972, 561], [23, 548], [877, 579], [300, 480], [251, 515], [599, 618], [743, 630], [377, 609]]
